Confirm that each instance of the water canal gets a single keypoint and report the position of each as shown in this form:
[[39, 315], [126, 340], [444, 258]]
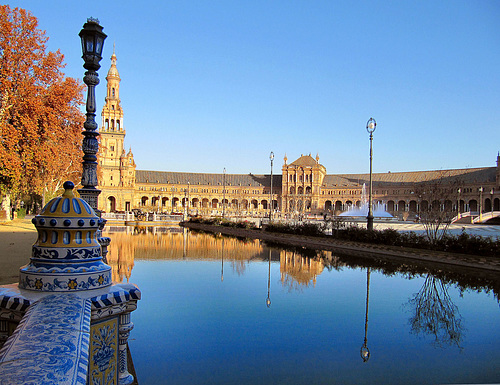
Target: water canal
[[218, 310]]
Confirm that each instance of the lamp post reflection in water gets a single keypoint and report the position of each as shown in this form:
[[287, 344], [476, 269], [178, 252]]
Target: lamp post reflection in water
[[222, 262], [365, 352], [268, 299]]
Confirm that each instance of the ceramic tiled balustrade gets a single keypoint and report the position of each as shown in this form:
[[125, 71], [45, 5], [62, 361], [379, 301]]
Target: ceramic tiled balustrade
[[71, 322]]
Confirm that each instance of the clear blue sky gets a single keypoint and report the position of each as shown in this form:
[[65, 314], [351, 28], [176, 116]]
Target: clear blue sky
[[214, 84]]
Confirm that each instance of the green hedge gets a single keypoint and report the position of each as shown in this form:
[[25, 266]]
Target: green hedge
[[463, 243], [223, 222]]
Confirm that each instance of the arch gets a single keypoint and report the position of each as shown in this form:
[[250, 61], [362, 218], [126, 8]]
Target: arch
[[215, 203], [300, 190], [496, 204], [144, 201], [424, 205], [111, 204], [473, 205], [299, 205], [390, 206], [412, 206], [263, 203], [118, 125], [308, 190], [175, 202], [448, 205], [348, 203], [154, 201], [292, 190], [328, 205], [358, 204], [338, 206], [164, 201], [195, 202], [308, 205], [204, 203], [185, 202], [106, 124], [462, 206], [401, 205], [112, 124], [435, 205], [244, 204], [487, 205], [234, 203], [255, 204]]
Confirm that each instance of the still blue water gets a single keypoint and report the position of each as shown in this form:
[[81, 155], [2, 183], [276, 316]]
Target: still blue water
[[193, 327]]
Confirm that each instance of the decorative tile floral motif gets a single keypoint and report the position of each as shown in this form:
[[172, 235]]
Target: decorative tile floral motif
[[104, 353], [60, 283], [50, 345], [88, 252]]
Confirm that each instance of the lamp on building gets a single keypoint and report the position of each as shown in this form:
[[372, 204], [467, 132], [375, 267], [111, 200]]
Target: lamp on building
[[371, 125], [271, 158], [224, 193], [92, 39]]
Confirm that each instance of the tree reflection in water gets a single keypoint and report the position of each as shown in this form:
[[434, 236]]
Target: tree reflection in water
[[435, 314]]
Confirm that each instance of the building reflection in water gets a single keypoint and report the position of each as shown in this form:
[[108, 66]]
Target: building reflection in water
[[297, 270], [176, 243]]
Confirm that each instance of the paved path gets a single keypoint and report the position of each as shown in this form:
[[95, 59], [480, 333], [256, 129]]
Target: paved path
[[367, 249]]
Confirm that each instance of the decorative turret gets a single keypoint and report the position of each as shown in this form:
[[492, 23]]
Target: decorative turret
[[66, 255]]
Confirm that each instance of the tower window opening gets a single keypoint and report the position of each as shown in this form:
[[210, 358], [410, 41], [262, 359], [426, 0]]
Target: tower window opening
[[107, 124], [118, 125], [113, 92], [112, 124]]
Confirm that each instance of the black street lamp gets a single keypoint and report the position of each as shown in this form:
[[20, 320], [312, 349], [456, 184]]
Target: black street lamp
[[92, 44], [371, 125], [271, 158]]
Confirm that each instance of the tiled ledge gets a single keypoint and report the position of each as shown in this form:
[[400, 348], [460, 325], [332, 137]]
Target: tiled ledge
[[51, 343]]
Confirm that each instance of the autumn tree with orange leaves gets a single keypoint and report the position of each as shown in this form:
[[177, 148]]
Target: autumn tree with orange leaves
[[40, 117]]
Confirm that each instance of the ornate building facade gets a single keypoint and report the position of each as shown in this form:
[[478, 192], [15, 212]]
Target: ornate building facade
[[303, 188]]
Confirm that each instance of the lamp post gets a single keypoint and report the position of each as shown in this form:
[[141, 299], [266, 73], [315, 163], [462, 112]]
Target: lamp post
[[224, 193], [92, 39], [492, 191], [271, 158], [371, 125], [458, 204], [480, 203]]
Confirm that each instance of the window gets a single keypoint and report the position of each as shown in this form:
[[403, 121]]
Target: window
[[112, 148]]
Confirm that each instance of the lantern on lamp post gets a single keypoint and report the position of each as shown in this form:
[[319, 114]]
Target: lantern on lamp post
[[92, 39]]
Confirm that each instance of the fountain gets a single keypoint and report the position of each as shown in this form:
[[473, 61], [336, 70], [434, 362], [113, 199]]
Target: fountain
[[378, 208]]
